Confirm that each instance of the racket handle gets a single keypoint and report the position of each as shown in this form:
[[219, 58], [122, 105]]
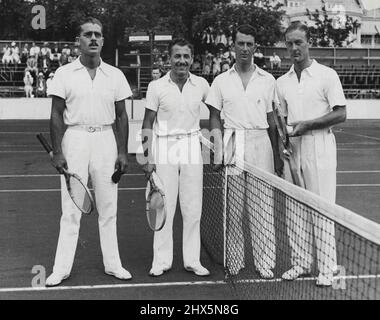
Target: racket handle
[[45, 144], [117, 176]]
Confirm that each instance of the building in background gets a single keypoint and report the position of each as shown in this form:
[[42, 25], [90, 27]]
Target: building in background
[[367, 13]]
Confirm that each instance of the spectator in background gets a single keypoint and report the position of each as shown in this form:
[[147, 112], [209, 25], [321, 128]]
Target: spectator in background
[[229, 56], [76, 53], [275, 61], [31, 66], [24, 53], [66, 50], [46, 72], [49, 80], [221, 40], [64, 59], [259, 59], [156, 73], [160, 64], [216, 64], [7, 55], [28, 81], [45, 55], [230, 40], [166, 59], [55, 53], [208, 39], [35, 51], [207, 63], [41, 86], [225, 66], [15, 52], [156, 53], [197, 65]]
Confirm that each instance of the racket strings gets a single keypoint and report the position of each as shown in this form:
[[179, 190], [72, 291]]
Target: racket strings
[[156, 210], [79, 195]]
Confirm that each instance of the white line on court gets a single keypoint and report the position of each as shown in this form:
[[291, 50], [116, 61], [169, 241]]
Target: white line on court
[[349, 277], [59, 190], [356, 149], [361, 135], [358, 185], [115, 286], [23, 132], [29, 151], [52, 175], [360, 171], [172, 284]]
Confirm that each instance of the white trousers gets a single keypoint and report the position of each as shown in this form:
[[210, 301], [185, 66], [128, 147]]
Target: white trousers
[[244, 194], [315, 157], [91, 154], [180, 167]]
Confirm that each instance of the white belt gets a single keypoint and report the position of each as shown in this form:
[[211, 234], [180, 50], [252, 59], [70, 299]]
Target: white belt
[[91, 129], [246, 132], [180, 135]]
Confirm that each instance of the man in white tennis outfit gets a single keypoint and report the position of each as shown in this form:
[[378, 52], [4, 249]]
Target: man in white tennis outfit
[[173, 107], [245, 94], [88, 98], [312, 98]]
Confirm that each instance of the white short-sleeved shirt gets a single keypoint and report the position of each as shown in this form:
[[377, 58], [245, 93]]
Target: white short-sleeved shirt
[[89, 102], [315, 95], [177, 112], [243, 109]]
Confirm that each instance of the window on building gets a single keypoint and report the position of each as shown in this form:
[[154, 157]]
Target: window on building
[[377, 39], [294, 4]]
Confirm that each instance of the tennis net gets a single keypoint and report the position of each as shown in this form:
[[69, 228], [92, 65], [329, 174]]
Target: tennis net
[[254, 221]]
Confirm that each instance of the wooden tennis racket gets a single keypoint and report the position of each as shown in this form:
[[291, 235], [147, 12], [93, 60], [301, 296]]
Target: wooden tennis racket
[[284, 137], [155, 209], [77, 189]]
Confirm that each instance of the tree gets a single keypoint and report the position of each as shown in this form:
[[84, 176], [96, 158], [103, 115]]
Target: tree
[[330, 31], [264, 18], [15, 16]]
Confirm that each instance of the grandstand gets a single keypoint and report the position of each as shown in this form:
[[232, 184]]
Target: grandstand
[[358, 68], [11, 76]]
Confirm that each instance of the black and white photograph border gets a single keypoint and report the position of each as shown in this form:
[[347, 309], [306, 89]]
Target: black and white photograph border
[[262, 236]]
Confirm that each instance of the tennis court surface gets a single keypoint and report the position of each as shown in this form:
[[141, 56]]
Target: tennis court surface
[[30, 213]]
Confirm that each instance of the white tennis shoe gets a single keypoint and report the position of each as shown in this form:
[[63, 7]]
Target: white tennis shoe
[[325, 280], [295, 272], [199, 270], [266, 273], [121, 274], [55, 279], [158, 271]]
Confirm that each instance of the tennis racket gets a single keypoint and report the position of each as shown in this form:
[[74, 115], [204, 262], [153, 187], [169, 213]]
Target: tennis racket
[[284, 137], [155, 203], [77, 190]]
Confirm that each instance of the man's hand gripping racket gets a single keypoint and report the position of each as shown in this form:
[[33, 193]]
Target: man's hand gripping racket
[[155, 203], [78, 191], [284, 137]]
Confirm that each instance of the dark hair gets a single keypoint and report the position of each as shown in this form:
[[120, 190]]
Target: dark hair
[[245, 29], [182, 43], [88, 20], [297, 25]]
